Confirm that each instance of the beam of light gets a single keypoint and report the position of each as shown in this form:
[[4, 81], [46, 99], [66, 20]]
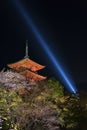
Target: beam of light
[[64, 76]]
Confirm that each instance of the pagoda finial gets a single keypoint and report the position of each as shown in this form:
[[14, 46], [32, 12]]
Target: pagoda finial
[[26, 52]]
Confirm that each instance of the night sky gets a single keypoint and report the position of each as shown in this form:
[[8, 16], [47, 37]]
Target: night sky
[[63, 25]]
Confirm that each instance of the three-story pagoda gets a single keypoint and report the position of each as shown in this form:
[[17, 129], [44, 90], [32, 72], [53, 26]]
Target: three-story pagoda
[[28, 68]]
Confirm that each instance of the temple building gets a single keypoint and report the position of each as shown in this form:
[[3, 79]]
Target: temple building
[[28, 68]]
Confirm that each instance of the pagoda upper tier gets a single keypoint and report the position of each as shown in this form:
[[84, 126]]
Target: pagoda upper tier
[[26, 63]]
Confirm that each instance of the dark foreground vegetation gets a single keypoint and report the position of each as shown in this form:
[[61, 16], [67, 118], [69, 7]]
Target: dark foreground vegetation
[[44, 106]]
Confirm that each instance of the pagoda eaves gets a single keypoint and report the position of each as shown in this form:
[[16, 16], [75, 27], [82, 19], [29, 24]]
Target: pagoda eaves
[[32, 76], [26, 63]]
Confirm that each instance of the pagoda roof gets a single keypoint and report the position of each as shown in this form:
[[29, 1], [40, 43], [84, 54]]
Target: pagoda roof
[[26, 63], [32, 76]]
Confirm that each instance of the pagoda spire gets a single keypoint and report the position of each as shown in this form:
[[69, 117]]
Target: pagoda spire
[[26, 51]]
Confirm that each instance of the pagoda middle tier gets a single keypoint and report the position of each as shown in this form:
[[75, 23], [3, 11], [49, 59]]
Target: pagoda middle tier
[[32, 76], [26, 63]]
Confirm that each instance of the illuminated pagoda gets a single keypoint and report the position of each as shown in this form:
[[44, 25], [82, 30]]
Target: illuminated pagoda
[[28, 68]]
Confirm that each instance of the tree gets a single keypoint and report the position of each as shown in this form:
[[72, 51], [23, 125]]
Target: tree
[[9, 102], [46, 107]]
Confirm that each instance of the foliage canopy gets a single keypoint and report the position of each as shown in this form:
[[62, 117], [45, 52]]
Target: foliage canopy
[[46, 107]]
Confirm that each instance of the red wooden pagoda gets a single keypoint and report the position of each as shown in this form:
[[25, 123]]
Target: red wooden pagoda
[[28, 68]]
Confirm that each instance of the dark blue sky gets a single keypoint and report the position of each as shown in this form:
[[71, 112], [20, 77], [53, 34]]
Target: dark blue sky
[[62, 23]]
